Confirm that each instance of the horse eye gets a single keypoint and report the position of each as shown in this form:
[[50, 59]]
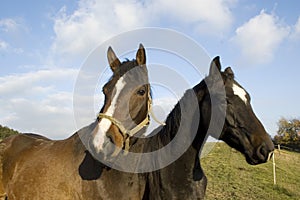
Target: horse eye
[[141, 92]]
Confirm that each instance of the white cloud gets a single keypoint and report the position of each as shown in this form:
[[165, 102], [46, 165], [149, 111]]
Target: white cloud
[[39, 102], [11, 31], [13, 25], [34, 83], [297, 26], [92, 23], [296, 30], [8, 25], [26, 115], [97, 20], [259, 38], [7, 48], [206, 16], [3, 45]]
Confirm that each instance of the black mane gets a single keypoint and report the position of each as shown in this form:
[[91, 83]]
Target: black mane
[[162, 135]]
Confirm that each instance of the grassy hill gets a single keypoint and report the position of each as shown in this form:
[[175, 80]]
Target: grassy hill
[[230, 177]]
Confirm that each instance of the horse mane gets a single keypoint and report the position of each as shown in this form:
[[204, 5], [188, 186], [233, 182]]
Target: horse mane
[[164, 134]]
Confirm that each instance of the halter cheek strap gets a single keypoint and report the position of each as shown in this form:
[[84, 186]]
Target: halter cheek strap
[[129, 133]]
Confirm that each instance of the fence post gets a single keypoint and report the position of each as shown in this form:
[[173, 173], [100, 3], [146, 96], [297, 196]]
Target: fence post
[[274, 168]]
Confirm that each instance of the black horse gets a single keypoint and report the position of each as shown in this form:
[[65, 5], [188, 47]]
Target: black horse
[[184, 178]]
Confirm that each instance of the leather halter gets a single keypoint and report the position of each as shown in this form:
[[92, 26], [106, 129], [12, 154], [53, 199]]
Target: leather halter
[[129, 133]]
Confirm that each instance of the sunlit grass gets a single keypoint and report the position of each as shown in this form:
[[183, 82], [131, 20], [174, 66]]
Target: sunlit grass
[[230, 177]]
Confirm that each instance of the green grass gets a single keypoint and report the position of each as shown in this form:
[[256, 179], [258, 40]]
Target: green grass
[[230, 177]]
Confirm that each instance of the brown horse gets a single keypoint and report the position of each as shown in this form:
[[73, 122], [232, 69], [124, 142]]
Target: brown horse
[[34, 167], [184, 178]]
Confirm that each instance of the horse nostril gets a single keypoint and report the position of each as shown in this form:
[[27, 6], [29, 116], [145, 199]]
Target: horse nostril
[[262, 152]]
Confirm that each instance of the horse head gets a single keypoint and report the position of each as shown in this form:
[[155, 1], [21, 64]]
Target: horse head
[[242, 129], [126, 105]]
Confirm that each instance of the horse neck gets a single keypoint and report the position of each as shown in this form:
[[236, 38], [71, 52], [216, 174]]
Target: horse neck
[[176, 177], [192, 112], [187, 110]]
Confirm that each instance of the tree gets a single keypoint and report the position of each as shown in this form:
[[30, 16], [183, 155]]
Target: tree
[[5, 132], [288, 133]]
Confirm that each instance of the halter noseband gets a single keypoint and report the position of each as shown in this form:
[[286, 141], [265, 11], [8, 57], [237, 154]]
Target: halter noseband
[[129, 133]]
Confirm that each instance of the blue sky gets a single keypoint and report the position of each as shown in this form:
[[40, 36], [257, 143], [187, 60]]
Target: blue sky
[[43, 44]]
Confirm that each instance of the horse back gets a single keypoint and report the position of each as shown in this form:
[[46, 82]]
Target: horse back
[[15, 149], [32, 161]]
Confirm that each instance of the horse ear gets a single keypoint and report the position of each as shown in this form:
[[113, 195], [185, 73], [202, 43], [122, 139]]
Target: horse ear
[[228, 71], [113, 60], [141, 55], [215, 66]]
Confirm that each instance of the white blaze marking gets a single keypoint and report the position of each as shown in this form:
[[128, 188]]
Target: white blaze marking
[[239, 92], [104, 123]]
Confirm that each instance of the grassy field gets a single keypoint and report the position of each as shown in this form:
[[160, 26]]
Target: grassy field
[[230, 177]]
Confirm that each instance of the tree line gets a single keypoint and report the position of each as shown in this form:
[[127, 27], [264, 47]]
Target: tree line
[[5, 132]]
